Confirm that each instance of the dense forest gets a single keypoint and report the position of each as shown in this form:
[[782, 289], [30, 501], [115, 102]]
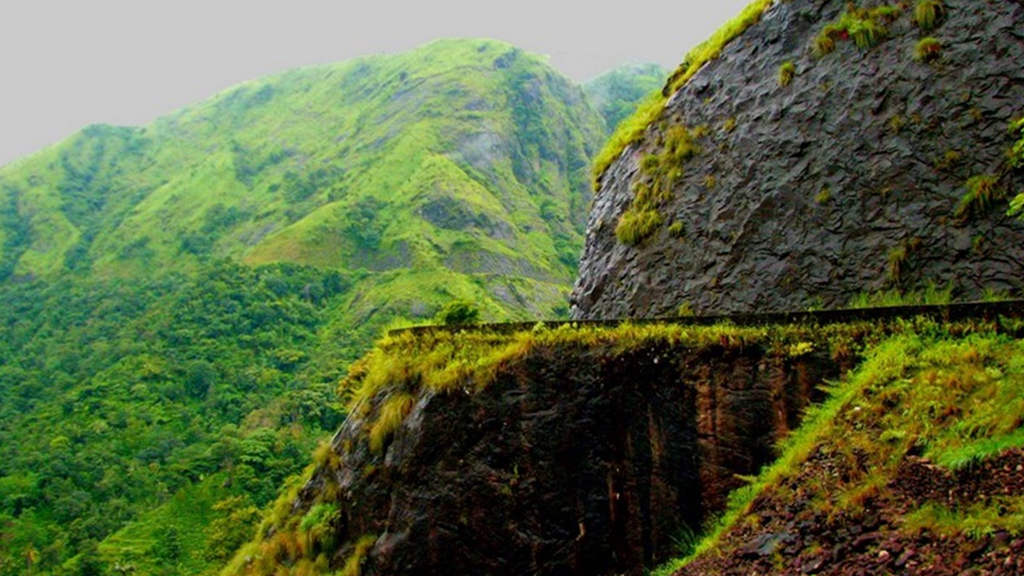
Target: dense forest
[[121, 403]]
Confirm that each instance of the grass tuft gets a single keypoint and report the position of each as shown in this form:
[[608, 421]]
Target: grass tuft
[[392, 414], [928, 14], [1016, 159], [354, 563], [636, 225], [786, 73], [865, 27], [927, 49], [981, 192]]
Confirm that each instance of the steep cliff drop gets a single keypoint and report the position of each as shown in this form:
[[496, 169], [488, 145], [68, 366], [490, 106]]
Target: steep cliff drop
[[832, 149], [559, 452]]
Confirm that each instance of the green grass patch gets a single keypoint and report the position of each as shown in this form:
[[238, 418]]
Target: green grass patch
[[932, 294], [976, 521], [659, 173], [636, 225], [865, 27]]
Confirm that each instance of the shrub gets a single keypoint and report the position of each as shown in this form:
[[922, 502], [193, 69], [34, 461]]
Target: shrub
[[458, 312], [928, 49], [928, 13], [786, 73]]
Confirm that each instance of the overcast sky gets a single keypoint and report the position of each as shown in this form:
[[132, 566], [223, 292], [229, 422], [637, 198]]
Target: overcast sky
[[67, 64]]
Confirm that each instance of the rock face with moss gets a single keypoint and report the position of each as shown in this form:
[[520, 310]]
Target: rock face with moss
[[828, 150], [566, 452]]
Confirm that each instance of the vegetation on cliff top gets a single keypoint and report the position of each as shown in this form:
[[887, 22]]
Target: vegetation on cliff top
[[632, 128]]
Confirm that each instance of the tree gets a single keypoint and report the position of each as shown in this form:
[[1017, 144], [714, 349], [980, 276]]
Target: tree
[[199, 376]]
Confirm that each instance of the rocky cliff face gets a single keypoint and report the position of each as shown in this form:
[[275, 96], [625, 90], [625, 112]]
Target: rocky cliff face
[[578, 457], [526, 478], [818, 169]]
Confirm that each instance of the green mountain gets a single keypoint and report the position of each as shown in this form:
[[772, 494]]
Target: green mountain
[[463, 157], [615, 93], [181, 299]]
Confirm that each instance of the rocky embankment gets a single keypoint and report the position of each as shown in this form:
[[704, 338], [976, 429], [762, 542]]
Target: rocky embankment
[[811, 177]]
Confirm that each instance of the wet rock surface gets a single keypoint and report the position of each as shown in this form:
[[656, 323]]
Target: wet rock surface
[[847, 180], [581, 461]]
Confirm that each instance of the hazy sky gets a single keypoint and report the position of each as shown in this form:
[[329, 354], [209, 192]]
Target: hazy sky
[[67, 64]]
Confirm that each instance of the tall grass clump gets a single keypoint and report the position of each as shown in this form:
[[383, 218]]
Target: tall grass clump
[[637, 225], [928, 14], [786, 73], [391, 416], [865, 27]]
